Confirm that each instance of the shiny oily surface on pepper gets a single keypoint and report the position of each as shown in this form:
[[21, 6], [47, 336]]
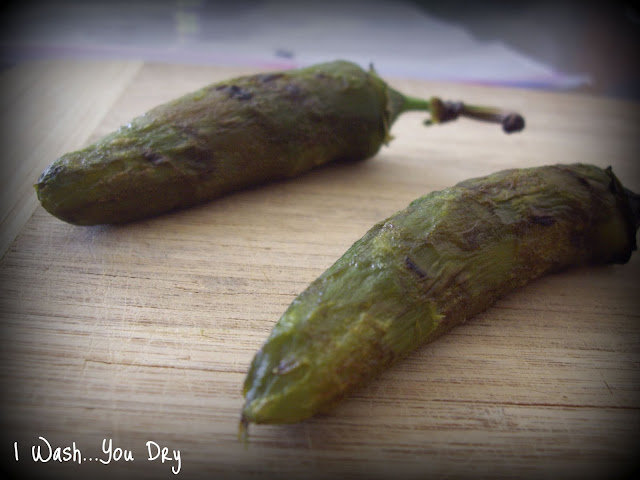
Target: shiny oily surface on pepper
[[446, 257], [232, 135]]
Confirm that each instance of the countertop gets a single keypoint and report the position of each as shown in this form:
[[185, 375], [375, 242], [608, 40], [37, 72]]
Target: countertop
[[139, 336]]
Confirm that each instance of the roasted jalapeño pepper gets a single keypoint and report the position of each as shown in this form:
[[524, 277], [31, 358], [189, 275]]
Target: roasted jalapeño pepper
[[446, 257], [231, 135]]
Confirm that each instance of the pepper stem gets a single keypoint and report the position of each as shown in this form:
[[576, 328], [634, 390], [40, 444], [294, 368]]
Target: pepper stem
[[442, 112]]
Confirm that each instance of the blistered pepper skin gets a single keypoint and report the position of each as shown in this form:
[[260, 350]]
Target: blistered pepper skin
[[448, 256], [222, 138]]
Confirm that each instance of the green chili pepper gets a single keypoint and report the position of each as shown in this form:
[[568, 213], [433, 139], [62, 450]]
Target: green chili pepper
[[232, 135], [448, 256]]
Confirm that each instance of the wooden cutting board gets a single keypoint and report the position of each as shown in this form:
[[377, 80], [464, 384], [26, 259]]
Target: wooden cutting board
[[133, 338]]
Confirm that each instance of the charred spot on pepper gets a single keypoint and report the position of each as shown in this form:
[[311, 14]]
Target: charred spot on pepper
[[414, 267], [153, 157], [472, 238], [577, 177], [49, 173], [200, 158], [234, 91], [239, 93]]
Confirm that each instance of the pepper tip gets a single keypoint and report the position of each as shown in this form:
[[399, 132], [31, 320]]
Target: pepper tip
[[243, 431]]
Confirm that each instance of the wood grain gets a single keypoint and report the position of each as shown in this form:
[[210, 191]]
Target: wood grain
[[48, 108], [145, 331]]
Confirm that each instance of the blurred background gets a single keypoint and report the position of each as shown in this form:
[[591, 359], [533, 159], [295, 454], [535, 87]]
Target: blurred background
[[568, 45]]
